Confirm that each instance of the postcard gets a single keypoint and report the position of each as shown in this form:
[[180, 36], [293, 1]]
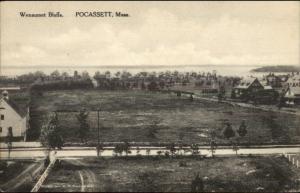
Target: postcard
[[159, 96]]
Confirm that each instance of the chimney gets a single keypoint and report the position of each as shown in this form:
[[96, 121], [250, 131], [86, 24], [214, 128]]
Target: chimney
[[5, 94]]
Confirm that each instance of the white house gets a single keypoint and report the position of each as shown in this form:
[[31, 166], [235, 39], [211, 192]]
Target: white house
[[12, 117], [292, 93]]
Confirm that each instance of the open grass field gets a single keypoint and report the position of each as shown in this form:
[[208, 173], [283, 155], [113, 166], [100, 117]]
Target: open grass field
[[141, 116], [19, 175], [146, 174]]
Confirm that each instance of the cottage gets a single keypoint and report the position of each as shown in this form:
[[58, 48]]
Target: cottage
[[292, 93], [247, 86], [276, 81], [293, 81], [12, 118], [252, 89]]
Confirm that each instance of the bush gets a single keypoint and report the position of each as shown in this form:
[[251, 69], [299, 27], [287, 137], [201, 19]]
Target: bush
[[182, 164], [3, 165]]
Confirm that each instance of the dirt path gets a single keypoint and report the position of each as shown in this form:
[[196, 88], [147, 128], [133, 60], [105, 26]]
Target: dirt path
[[247, 105], [28, 175], [87, 176]]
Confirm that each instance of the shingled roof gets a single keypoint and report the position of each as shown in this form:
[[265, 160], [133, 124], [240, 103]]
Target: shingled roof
[[292, 92], [22, 111], [245, 83]]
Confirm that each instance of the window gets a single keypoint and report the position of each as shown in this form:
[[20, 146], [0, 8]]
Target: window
[[0, 129], [2, 117]]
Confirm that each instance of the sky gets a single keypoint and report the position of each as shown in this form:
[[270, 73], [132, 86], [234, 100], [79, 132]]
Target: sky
[[156, 33]]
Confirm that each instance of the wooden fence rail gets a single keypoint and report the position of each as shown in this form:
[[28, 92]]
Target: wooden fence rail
[[44, 176], [294, 160]]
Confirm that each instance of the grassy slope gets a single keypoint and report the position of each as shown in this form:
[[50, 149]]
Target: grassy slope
[[19, 176], [14, 168], [165, 175], [128, 115]]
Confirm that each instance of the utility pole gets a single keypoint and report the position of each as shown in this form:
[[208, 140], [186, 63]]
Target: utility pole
[[98, 133]]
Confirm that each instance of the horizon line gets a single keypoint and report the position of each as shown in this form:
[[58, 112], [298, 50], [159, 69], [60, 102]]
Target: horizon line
[[138, 66]]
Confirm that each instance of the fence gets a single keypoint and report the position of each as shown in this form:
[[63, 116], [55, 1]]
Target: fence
[[294, 159], [45, 174]]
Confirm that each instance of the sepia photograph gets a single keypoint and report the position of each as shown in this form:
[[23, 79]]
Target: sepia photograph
[[158, 96]]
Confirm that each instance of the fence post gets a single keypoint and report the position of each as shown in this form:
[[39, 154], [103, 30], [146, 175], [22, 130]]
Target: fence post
[[293, 161], [297, 163]]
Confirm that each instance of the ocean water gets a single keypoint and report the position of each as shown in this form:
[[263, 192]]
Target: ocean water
[[236, 70]]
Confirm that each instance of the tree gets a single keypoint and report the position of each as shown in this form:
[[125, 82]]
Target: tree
[[153, 86], [84, 127], [55, 75], [213, 147], [9, 140], [167, 153], [117, 74], [65, 75], [172, 149], [97, 74], [195, 149], [159, 153], [85, 75], [51, 136], [148, 151], [235, 148], [122, 147], [107, 74], [118, 149], [197, 184], [221, 93], [138, 150], [228, 132], [126, 148], [242, 131]]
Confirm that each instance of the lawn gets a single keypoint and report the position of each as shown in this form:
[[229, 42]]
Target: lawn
[[19, 175], [140, 116], [146, 174]]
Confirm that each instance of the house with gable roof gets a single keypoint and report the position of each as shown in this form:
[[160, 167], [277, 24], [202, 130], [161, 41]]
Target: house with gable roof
[[247, 86], [292, 93], [13, 117], [252, 89]]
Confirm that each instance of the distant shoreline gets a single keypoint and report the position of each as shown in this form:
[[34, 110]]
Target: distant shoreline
[[289, 68], [127, 66]]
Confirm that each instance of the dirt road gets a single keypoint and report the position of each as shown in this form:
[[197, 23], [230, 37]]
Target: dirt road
[[88, 178]]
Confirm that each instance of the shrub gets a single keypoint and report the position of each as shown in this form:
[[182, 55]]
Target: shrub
[[182, 164], [3, 165]]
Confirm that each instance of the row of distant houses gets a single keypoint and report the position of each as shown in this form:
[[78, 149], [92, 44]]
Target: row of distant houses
[[292, 93], [270, 88]]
